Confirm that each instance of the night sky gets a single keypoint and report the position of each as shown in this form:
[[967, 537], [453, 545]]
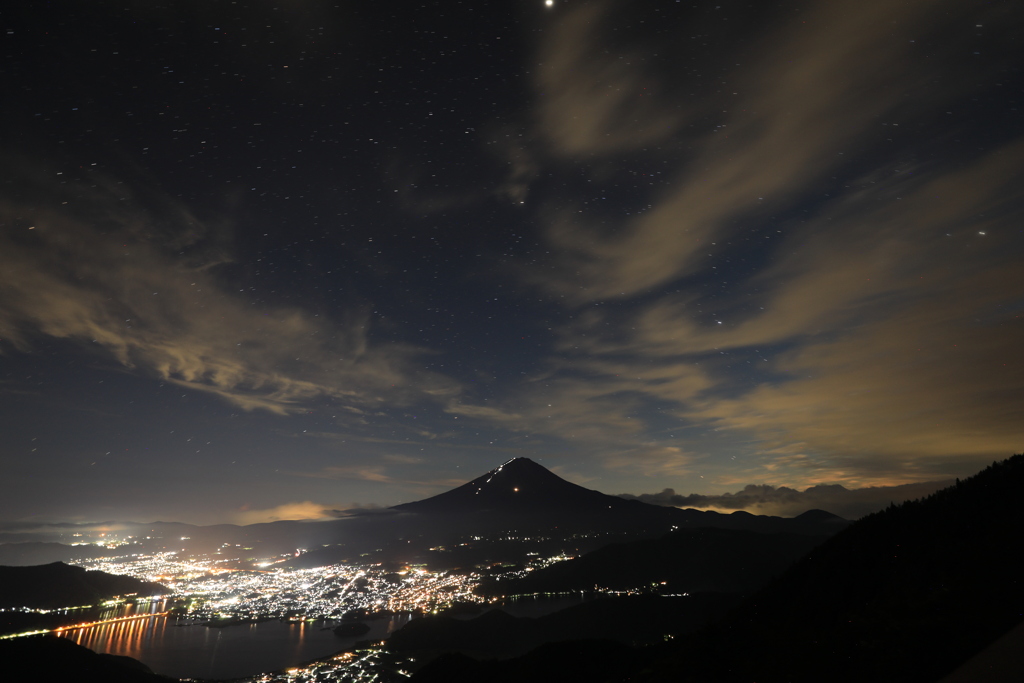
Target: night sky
[[261, 259]]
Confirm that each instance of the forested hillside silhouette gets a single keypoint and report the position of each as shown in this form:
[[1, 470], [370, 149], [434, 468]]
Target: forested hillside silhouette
[[906, 594]]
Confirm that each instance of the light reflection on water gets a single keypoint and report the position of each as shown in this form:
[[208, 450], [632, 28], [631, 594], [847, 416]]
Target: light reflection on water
[[120, 637], [182, 649], [176, 648]]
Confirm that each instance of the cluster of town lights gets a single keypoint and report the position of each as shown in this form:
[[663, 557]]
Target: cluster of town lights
[[215, 590]]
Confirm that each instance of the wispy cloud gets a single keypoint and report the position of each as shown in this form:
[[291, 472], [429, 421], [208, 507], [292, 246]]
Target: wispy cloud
[[104, 269], [872, 339], [798, 103], [590, 99], [873, 359], [906, 332], [590, 400], [359, 472], [655, 461], [381, 473]]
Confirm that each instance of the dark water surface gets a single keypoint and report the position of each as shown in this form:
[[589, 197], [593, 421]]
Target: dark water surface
[[193, 651], [177, 648]]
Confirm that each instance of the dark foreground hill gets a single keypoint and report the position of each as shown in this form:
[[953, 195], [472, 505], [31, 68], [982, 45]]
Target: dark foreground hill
[[906, 594], [50, 586], [49, 659], [688, 560], [632, 620]]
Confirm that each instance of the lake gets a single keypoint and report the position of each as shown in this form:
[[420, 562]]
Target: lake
[[183, 650]]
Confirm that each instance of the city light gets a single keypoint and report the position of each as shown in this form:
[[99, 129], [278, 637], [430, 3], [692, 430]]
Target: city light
[[220, 590]]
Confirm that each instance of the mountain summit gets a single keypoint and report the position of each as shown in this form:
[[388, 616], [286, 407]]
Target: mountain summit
[[519, 485], [520, 494], [523, 496]]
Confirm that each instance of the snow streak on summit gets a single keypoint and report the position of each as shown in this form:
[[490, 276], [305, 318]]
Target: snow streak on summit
[[519, 484]]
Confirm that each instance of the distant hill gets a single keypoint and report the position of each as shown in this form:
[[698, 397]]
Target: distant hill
[[904, 595], [34, 553], [56, 585]]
